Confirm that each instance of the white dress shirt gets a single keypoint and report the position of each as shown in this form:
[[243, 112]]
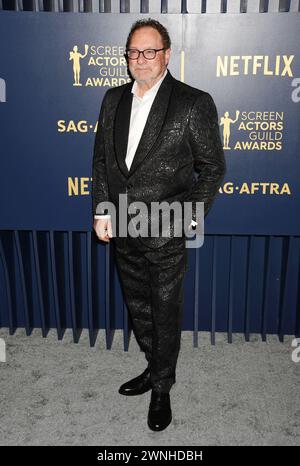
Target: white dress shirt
[[139, 113]]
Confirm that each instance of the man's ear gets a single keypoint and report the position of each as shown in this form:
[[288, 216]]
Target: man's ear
[[168, 52]]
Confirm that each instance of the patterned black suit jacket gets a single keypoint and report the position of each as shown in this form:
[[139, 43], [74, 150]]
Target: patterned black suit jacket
[[179, 156]]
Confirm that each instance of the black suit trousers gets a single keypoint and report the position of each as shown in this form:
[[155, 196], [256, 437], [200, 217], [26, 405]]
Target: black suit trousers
[[152, 282]]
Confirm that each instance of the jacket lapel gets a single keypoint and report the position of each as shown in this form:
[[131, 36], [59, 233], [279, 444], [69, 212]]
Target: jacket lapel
[[121, 128], [152, 127], [154, 122]]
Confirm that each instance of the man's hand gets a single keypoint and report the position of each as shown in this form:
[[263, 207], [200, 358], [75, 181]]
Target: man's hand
[[103, 229]]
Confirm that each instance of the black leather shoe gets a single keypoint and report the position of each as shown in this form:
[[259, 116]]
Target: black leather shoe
[[160, 413], [138, 385]]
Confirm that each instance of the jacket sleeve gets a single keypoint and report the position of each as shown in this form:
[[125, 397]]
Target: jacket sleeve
[[99, 176], [207, 150]]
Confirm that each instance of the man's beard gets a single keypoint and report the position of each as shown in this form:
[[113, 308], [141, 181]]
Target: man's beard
[[149, 78]]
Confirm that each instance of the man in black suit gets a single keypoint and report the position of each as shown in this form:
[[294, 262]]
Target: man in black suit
[[154, 135]]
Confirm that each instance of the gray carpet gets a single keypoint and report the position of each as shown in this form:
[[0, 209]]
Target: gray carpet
[[60, 393]]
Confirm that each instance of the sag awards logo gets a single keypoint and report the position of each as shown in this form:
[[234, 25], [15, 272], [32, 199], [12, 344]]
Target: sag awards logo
[[260, 131], [98, 66], [256, 130]]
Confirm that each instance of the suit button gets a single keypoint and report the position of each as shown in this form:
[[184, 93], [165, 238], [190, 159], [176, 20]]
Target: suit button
[[129, 185]]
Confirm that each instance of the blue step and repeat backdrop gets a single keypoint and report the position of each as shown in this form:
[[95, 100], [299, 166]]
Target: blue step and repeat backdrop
[[55, 69]]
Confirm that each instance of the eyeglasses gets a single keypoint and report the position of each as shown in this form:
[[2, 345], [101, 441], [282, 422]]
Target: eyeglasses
[[149, 54]]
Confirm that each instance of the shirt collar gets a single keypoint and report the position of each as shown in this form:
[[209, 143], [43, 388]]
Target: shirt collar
[[150, 91]]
